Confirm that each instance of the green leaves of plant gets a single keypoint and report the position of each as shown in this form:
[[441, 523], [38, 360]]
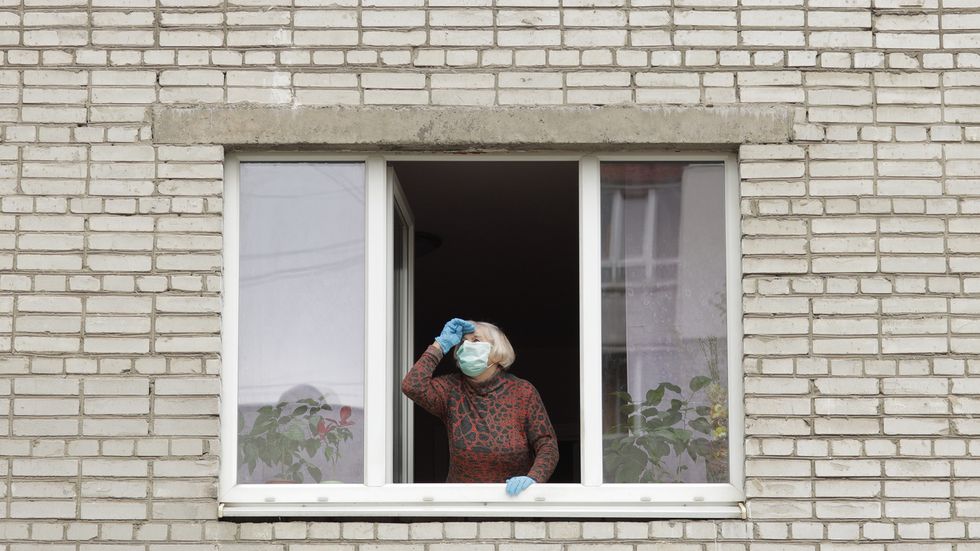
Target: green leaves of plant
[[289, 440], [628, 462], [314, 471], [655, 395], [295, 433], [654, 431], [701, 425], [699, 382]]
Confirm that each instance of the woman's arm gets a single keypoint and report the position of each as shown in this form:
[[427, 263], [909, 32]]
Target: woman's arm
[[419, 385], [541, 437]]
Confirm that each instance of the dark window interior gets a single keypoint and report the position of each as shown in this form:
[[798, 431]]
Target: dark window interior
[[498, 241]]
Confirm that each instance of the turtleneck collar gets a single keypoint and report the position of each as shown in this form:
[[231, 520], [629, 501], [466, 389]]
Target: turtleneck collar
[[486, 387]]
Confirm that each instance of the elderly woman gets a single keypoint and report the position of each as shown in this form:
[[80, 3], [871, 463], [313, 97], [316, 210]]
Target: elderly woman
[[497, 426]]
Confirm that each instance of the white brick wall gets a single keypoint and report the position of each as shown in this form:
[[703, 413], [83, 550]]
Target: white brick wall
[[860, 241]]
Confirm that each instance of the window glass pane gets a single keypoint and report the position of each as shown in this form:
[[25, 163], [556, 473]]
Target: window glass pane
[[665, 385], [301, 323]]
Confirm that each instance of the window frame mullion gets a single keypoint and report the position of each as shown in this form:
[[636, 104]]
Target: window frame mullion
[[590, 321], [228, 476], [733, 272], [377, 350]]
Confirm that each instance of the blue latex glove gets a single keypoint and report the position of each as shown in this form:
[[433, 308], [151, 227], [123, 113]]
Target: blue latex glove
[[467, 327], [518, 484], [452, 333]]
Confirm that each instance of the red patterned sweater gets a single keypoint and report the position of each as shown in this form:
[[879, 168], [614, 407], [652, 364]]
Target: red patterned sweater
[[497, 428]]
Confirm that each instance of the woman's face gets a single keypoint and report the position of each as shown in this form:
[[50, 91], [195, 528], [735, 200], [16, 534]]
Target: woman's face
[[480, 335]]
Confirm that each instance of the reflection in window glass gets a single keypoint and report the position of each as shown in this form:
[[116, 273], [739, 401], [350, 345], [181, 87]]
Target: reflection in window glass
[[665, 385], [301, 323]]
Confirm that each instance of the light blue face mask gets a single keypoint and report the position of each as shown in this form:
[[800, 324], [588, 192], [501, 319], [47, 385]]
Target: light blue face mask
[[473, 357]]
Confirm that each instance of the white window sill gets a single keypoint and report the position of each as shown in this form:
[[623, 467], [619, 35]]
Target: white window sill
[[495, 510], [716, 501]]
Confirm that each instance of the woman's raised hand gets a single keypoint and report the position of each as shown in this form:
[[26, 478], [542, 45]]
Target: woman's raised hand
[[452, 333], [466, 326]]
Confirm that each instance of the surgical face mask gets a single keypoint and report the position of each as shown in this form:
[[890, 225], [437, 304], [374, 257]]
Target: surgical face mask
[[473, 357]]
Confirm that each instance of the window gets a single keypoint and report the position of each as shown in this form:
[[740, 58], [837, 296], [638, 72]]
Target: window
[[318, 330], [300, 322], [664, 322]]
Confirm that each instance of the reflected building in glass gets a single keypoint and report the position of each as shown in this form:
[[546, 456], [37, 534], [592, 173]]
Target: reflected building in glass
[[665, 399]]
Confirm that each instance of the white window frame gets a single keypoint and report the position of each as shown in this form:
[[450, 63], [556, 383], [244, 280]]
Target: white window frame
[[378, 496]]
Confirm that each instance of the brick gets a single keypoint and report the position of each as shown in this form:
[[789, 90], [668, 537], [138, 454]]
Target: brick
[[857, 240]]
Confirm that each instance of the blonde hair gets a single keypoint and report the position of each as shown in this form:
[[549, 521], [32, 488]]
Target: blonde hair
[[501, 352]]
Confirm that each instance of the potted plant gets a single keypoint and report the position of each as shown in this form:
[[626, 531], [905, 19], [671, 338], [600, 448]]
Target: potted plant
[[289, 435], [657, 430], [669, 423]]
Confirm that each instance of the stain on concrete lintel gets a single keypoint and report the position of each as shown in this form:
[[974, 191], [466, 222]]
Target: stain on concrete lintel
[[453, 128]]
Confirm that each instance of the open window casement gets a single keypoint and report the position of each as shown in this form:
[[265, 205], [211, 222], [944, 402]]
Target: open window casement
[[317, 333]]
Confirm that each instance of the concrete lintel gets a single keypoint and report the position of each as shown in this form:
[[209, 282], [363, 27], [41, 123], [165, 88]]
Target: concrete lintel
[[416, 127]]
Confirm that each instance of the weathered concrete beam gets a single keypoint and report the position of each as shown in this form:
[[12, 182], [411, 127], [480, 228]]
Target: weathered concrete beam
[[473, 128]]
